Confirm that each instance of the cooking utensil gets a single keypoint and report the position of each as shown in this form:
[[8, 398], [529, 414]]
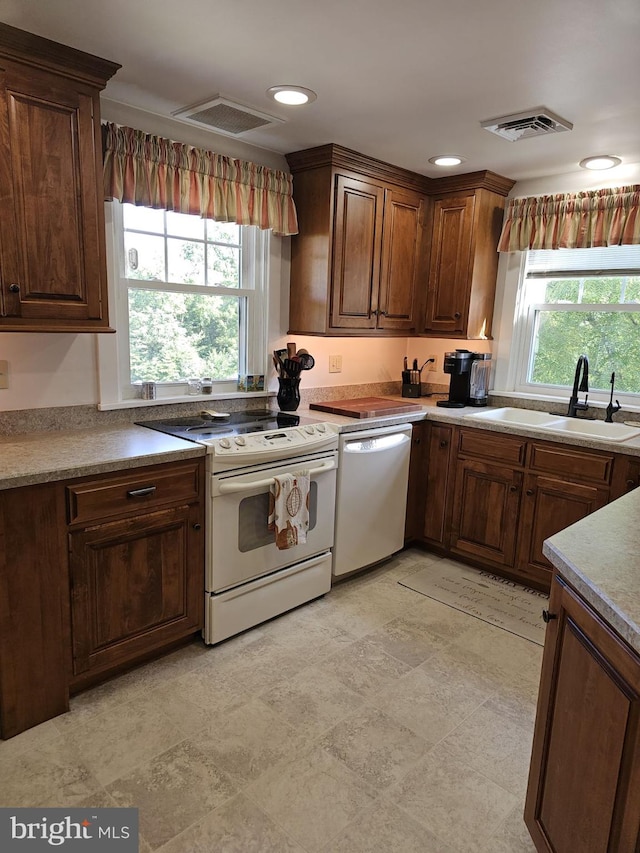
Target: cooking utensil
[[307, 361], [292, 368], [291, 349]]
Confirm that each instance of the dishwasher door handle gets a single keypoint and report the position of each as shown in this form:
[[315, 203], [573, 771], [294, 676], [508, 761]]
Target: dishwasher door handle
[[377, 444]]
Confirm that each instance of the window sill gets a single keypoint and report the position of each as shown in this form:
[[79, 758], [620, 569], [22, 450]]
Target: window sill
[[184, 398]]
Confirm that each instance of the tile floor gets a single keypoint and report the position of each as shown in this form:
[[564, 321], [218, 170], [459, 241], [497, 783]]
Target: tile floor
[[374, 719]]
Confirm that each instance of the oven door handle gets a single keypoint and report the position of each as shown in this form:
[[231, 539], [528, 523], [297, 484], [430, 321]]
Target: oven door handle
[[249, 485]]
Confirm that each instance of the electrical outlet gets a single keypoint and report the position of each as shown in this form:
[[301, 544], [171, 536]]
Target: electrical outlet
[[4, 374], [335, 364], [432, 365]]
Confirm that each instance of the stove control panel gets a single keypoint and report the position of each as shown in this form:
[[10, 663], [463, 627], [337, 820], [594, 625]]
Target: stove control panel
[[287, 441]]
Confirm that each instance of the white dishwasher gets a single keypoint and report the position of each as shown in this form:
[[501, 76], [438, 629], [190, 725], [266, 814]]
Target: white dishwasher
[[371, 497]]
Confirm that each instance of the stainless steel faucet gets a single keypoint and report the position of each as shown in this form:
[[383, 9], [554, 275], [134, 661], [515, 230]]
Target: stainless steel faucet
[[579, 384]]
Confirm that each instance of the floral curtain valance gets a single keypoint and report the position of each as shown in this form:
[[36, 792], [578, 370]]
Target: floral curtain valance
[[155, 172], [606, 217]]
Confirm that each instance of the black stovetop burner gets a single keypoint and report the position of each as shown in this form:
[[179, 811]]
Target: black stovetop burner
[[203, 427]]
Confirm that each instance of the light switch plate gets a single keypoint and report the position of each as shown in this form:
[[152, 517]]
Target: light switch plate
[[335, 364], [4, 374]]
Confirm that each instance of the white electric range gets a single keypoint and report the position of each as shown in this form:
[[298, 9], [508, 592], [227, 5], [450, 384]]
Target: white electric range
[[248, 579]]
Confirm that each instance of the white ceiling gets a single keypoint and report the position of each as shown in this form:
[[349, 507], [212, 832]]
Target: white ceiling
[[400, 80]]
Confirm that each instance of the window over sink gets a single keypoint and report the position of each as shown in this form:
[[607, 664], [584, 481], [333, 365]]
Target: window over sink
[[575, 301]]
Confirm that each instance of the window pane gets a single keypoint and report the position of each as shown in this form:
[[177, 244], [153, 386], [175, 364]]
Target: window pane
[[185, 225], [223, 232], [185, 261], [562, 290], [143, 218], [602, 291], [177, 335], [223, 266], [144, 257], [611, 340]]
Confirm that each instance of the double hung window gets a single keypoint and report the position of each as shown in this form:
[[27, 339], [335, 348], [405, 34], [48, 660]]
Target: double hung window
[[190, 299], [575, 301]]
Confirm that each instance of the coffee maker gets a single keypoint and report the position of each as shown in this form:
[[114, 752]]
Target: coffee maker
[[469, 382]]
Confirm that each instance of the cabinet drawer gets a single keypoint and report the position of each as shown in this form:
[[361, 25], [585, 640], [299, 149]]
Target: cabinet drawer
[[491, 446], [577, 464], [127, 494]]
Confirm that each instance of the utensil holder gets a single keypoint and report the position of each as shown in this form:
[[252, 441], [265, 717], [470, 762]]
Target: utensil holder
[[288, 394]]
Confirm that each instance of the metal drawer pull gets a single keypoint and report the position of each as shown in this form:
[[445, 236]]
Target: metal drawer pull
[[141, 493], [547, 616]]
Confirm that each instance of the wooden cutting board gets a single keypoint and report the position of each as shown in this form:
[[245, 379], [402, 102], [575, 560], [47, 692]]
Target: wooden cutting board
[[365, 407]]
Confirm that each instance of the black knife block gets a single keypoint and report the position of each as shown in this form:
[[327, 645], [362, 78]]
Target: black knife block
[[411, 389]]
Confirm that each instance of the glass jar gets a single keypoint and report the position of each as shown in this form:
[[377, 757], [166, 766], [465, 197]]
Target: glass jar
[[194, 387], [206, 385]]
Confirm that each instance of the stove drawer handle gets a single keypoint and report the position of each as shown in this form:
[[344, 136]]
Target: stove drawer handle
[[249, 485]]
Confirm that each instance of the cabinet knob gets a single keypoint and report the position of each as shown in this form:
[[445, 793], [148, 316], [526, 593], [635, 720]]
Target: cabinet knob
[[529, 492], [513, 488], [548, 616], [14, 288], [631, 484], [457, 315], [444, 443], [197, 526]]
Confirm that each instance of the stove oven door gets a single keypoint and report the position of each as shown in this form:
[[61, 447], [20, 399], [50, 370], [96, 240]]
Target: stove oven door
[[240, 546]]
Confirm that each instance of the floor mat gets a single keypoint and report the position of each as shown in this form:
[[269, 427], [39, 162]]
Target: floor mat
[[500, 602]]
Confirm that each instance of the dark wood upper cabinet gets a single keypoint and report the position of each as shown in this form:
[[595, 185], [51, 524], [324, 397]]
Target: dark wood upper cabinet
[[359, 263], [382, 250], [464, 261], [52, 252]]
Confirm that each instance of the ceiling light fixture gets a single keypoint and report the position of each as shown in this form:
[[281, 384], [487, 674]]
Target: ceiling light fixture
[[291, 95], [446, 160], [602, 161]]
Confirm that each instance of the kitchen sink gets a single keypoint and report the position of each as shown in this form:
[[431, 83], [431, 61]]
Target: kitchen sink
[[594, 429], [518, 417], [598, 430]]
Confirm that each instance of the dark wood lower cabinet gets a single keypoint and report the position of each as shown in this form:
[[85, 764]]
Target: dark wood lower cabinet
[[34, 632], [131, 586], [96, 575], [549, 505], [485, 516], [584, 782], [492, 499]]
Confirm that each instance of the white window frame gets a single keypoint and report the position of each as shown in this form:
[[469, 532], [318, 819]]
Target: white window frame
[[516, 340], [115, 388]]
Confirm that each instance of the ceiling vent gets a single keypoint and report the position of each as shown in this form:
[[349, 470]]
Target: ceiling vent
[[536, 122], [226, 116]]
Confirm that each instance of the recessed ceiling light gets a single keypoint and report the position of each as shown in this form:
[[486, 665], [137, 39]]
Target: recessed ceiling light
[[602, 161], [446, 160], [291, 95]]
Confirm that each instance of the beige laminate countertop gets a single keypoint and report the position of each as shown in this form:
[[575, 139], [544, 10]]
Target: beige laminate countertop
[[600, 557], [430, 411], [40, 457]]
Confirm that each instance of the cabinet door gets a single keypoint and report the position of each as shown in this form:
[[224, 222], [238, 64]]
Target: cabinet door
[[356, 254], [51, 221], [584, 782], [402, 260], [448, 291], [437, 485], [137, 584], [486, 505], [548, 506]]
